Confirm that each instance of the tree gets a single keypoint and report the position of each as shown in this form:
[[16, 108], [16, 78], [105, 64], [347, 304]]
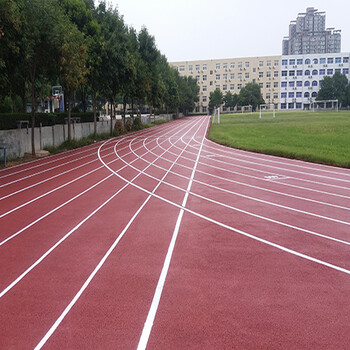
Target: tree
[[216, 99], [251, 95], [230, 99], [188, 92], [335, 88]]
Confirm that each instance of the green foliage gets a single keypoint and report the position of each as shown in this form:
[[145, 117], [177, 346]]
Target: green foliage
[[336, 87], [250, 95], [216, 99]]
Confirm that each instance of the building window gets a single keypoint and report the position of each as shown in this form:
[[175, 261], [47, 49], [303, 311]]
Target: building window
[[299, 72], [292, 62], [292, 73], [247, 64], [261, 85], [329, 71], [239, 76], [204, 98], [217, 66], [268, 74], [224, 87], [261, 74], [307, 83], [284, 73], [283, 95], [284, 62], [268, 95], [268, 63], [211, 72], [283, 106], [345, 59], [299, 61], [314, 72], [204, 77], [337, 70], [291, 94], [224, 66], [211, 83], [338, 60], [190, 68], [224, 76], [182, 68], [217, 76], [298, 105], [322, 60], [307, 72], [314, 94], [299, 83], [239, 86], [261, 63], [204, 67], [204, 109], [232, 86], [232, 76], [314, 83], [275, 84], [275, 74], [291, 83], [346, 71], [246, 75], [307, 61], [276, 63], [198, 67], [239, 64], [275, 95], [198, 77], [315, 61], [283, 84], [268, 85], [204, 88], [291, 105], [330, 60], [232, 65], [217, 87], [299, 94], [322, 71], [307, 95]]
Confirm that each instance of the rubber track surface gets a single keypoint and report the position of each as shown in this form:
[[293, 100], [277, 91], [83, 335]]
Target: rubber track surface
[[162, 239]]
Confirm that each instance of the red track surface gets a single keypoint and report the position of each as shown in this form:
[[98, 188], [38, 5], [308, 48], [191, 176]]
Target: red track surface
[[165, 240]]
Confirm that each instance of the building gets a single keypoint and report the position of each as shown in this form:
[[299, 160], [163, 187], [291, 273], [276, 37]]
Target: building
[[308, 35], [231, 75], [302, 75]]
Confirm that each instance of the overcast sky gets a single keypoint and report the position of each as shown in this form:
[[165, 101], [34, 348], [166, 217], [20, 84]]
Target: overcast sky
[[206, 29]]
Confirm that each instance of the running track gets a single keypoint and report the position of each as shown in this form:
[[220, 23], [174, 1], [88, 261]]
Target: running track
[[163, 239]]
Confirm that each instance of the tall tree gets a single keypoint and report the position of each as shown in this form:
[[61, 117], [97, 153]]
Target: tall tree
[[230, 99], [335, 88], [251, 95], [216, 99]]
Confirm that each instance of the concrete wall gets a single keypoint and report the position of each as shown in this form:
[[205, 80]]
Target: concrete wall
[[18, 141]]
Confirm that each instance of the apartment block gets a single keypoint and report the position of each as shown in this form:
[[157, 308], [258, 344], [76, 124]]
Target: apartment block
[[232, 74], [308, 35]]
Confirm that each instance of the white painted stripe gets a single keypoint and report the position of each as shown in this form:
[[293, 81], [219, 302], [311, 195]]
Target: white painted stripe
[[159, 289], [102, 261]]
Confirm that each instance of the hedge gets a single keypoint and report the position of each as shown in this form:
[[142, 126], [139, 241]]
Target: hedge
[[9, 120]]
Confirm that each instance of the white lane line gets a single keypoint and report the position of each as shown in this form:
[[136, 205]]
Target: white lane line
[[279, 168], [77, 196], [102, 261], [159, 289], [304, 256], [119, 141], [237, 209], [38, 261], [279, 183], [285, 161]]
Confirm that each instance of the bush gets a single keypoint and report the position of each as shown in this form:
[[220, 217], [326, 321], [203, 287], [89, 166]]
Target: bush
[[128, 125], [118, 127], [137, 124]]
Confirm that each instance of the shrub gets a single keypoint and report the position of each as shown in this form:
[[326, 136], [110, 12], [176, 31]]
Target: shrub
[[118, 127]]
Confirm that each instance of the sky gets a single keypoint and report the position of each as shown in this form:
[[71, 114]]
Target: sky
[[187, 30]]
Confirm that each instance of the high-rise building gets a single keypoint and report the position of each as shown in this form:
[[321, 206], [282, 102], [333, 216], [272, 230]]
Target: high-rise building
[[308, 35]]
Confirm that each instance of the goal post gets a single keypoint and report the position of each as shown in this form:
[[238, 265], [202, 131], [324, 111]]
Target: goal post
[[267, 107], [216, 114], [247, 109], [325, 105]]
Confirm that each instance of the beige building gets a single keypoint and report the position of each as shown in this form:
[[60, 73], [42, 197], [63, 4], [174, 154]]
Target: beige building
[[231, 75]]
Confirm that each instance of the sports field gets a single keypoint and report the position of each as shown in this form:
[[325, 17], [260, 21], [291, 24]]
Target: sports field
[[321, 137]]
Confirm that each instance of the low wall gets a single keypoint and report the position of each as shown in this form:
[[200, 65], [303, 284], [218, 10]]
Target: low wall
[[18, 141]]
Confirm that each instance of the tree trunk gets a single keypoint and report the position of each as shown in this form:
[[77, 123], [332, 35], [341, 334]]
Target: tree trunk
[[33, 114], [69, 98], [111, 114]]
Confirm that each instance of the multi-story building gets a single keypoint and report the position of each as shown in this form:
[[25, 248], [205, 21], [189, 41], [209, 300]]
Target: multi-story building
[[308, 35], [302, 76], [231, 75]]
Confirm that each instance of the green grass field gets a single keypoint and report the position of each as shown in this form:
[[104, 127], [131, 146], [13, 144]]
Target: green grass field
[[322, 137]]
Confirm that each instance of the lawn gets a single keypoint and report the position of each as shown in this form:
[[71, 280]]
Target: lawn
[[322, 137]]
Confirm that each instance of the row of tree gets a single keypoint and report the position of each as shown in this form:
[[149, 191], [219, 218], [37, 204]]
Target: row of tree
[[85, 48], [248, 95]]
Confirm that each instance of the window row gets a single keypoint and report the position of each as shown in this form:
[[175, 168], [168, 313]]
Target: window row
[[298, 94], [329, 71], [323, 60], [299, 83]]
